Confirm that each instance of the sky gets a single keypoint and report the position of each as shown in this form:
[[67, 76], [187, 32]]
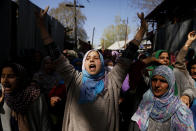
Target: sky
[[100, 14]]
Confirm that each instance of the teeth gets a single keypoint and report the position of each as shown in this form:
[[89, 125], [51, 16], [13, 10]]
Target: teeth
[[92, 66]]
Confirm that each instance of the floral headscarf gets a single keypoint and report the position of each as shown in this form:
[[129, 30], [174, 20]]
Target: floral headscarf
[[166, 107], [157, 54]]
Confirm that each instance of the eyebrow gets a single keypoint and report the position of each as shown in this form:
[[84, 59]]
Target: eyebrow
[[161, 79], [93, 56]]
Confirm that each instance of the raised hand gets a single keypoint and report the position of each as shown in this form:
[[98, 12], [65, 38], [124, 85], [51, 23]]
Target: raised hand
[[144, 27], [185, 100], [54, 100], [144, 24], [40, 23], [40, 16], [192, 36], [141, 15]]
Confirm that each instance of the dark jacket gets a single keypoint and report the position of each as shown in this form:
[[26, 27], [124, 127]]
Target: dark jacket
[[37, 116]]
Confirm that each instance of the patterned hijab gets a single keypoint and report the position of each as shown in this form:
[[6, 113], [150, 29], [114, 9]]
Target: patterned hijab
[[92, 85], [20, 99], [164, 108], [156, 55]]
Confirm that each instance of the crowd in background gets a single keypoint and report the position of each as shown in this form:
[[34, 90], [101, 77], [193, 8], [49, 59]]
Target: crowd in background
[[44, 88]]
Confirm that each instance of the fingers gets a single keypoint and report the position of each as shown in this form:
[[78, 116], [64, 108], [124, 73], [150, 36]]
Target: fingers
[[40, 16], [46, 9], [58, 99], [192, 36], [185, 100], [44, 12], [140, 15], [193, 31], [187, 103], [144, 24], [55, 99]]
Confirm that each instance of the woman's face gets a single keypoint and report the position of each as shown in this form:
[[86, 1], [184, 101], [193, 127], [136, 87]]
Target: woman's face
[[193, 71], [159, 85], [93, 63], [48, 66], [110, 63], [164, 58], [8, 79]]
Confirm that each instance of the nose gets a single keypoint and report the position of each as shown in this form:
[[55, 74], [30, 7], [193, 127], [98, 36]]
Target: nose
[[165, 59], [91, 59], [157, 83]]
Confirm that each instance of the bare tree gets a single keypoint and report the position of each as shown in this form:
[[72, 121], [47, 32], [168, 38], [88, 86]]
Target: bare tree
[[115, 32], [145, 5], [65, 15]]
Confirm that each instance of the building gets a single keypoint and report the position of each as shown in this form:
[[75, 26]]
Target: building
[[19, 32], [171, 22], [118, 45]]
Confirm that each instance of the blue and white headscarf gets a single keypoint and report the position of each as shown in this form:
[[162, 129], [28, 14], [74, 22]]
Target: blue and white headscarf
[[92, 85], [163, 108]]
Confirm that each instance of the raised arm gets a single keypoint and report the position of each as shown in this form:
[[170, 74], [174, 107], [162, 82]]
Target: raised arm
[[40, 23], [63, 66], [121, 69], [186, 85], [132, 47], [180, 60]]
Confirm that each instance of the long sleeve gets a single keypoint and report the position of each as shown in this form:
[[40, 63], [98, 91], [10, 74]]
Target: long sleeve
[[67, 71], [131, 51], [180, 60], [63, 67], [184, 81], [122, 67]]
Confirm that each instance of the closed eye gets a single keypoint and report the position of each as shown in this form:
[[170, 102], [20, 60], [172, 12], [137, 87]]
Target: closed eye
[[164, 81]]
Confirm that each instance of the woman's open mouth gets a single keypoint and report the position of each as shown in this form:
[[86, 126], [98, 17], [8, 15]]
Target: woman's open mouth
[[194, 76], [157, 90], [92, 67]]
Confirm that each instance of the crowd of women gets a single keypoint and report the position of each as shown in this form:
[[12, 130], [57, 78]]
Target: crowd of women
[[124, 91]]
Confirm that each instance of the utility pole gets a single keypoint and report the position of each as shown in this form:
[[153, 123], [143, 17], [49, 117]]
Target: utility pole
[[75, 19], [75, 24], [93, 35], [126, 32]]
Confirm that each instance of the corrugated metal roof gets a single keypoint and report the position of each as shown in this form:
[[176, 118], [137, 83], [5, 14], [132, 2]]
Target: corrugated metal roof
[[118, 45]]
